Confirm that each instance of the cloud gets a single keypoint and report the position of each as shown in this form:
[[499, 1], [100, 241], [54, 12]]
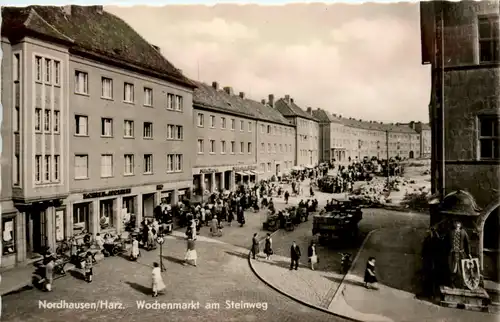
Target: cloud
[[352, 63]]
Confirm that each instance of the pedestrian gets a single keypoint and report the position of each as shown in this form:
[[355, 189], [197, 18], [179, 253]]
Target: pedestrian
[[287, 195], [214, 228], [49, 271], [194, 229], [157, 285], [191, 254], [311, 253], [255, 246], [134, 253], [294, 256], [370, 277], [88, 267], [268, 248]]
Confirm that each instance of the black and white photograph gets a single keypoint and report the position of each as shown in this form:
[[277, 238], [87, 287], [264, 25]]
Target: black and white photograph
[[250, 161]]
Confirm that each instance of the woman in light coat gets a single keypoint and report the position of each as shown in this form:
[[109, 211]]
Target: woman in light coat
[[214, 228], [134, 253], [49, 272], [191, 254], [158, 284]]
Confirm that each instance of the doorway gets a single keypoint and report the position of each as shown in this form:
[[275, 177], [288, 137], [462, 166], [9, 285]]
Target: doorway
[[148, 205], [36, 237], [411, 155], [491, 249]]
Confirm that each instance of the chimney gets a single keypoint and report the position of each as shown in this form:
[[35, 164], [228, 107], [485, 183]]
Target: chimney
[[67, 10], [335, 115], [309, 110], [156, 48], [179, 70], [271, 100], [287, 98], [242, 94], [263, 101], [229, 90], [215, 85], [291, 100], [98, 9], [340, 116]]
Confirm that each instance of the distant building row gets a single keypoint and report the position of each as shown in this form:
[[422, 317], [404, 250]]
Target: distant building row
[[90, 139]]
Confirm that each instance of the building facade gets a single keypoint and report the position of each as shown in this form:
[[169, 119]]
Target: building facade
[[238, 140], [460, 42], [307, 130], [81, 134], [347, 139]]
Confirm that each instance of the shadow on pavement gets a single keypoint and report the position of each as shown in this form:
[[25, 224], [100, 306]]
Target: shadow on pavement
[[238, 254], [174, 260], [140, 288], [279, 263], [77, 274], [345, 281]]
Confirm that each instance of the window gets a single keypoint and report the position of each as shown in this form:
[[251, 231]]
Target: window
[[15, 125], [269, 148], [48, 70], [46, 120], [249, 147], [81, 216], [488, 39], [200, 146], [275, 148], [262, 147], [148, 163], [38, 63], [174, 162], [170, 132], [489, 138], [212, 121], [107, 127], [281, 148], [212, 146], [38, 119], [249, 126], [179, 132], [56, 121], [128, 93], [148, 96], [170, 101], [128, 129], [17, 67], [223, 147], [106, 214], [129, 164], [269, 167], [47, 168], [242, 125], [148, 130], [242, 147], [179, 103], [106, 166], [233, 146], [223, 123], [8, 236], [269, 129], [15, 173], [81, 82], [233, 124], [38, 168], [57, 72], [201, 120], [57, 169], [81, 166], [106, 88], [262, 127], [81, 125]]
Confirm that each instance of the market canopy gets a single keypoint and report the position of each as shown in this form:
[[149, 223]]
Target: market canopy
[[297, 168]]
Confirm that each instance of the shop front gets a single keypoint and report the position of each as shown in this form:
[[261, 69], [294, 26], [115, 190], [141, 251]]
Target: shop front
[[245, 174], [210, 180]]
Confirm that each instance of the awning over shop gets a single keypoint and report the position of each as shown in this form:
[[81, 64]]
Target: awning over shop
[[248, 173], [297, 168], [256, 172], [309, 166], [241, 173]]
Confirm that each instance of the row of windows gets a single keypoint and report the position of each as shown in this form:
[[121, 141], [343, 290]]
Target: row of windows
[[48, 71], [174, 102], [223, 123], [276, 130], [174, 164], [262, 167], [274, 148], [47, 168], [49, 122], [212, 148], [174, 132]]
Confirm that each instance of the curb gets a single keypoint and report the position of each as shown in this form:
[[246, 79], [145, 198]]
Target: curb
[[312, 306]]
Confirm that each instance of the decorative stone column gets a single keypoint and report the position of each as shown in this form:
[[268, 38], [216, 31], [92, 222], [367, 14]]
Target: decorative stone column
[[118, 218], [94, 217], [49, 227], [212, 182], [202, 183], [138, 210], [223, 181]]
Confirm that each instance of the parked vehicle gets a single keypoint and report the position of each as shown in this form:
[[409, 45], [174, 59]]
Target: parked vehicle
[[337, 224]]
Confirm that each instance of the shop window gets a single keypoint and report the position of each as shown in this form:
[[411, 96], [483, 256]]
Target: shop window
[[8, 235], [106, 214], [81, 215]]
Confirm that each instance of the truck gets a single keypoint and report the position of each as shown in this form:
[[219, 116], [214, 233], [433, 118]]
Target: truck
[[339, 222]]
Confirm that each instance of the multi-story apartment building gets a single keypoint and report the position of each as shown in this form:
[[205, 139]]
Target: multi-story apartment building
[[307, 127], [348, 139], [86, 134], [424, 130], [238, 140], [460, 40]]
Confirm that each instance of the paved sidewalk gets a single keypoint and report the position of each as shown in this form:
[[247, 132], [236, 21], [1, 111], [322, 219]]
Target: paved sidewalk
[[397, 251]]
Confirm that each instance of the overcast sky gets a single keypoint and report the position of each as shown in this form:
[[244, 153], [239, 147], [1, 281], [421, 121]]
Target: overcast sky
[[361, 61]]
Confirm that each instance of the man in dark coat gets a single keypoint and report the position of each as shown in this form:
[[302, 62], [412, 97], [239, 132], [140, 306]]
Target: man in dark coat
[[295, 256]]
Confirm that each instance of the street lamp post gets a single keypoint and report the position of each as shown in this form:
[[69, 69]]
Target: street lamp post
[[160, 240], [387, 155]]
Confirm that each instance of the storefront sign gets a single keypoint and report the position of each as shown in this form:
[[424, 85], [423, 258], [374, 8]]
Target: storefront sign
[[159, 187], [245, 168], [106, 193], [209, 170], [59, 225]]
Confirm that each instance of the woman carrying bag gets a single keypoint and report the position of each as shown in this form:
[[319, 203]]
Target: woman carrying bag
[[311, 253], [268, 248]]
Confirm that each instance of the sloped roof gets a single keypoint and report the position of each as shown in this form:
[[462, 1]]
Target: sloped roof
[[219, 100], [323, 116], [288, 108], [90, 30], [426, 126]]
